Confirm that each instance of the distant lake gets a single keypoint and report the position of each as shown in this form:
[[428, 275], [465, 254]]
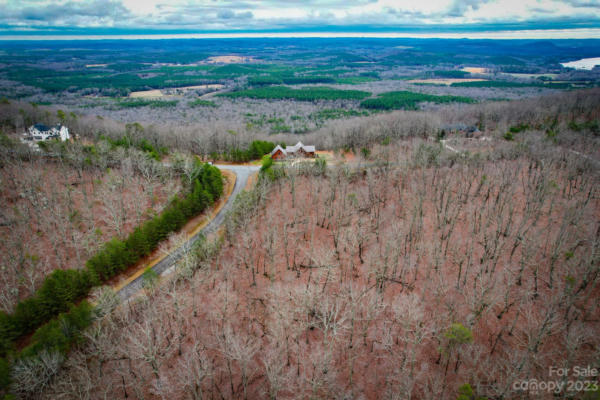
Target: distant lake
[[584, 63]]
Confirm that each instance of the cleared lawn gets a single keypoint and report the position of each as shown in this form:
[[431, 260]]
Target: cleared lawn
[[475, 70]]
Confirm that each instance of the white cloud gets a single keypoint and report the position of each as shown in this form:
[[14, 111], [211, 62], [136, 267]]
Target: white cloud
[[289, 14]]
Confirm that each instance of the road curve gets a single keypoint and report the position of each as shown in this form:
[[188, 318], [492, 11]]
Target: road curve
[[242, 173]]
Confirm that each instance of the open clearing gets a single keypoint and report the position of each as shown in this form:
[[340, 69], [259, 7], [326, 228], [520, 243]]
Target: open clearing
[[475, 70], [170, 92], [231, 59], [147, 94]]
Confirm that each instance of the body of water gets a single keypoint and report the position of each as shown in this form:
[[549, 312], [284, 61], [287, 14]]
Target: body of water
[[584, 63]]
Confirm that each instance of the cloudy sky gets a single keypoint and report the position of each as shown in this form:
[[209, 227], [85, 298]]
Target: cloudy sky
[[173, 16]]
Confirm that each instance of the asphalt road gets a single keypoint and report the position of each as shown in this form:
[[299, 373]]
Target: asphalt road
[[242, 173]]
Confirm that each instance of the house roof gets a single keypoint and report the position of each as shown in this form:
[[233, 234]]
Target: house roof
[[41, 127], [293, 149], [278, 147], [44, 128]]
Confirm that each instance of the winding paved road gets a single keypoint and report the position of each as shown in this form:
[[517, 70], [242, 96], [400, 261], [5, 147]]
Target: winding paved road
[[242, 173]]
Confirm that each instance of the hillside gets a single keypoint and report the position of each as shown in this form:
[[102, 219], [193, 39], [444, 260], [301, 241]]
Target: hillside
[[435, 236], [414, 272]]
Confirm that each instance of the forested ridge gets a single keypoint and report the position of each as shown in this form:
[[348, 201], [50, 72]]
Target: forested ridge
[[405, 252]]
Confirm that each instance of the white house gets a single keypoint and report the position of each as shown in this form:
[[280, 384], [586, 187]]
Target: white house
[[298, 150], [40, 132]]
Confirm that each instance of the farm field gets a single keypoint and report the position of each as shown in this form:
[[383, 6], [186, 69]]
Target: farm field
[[475, 70], [145, 94]]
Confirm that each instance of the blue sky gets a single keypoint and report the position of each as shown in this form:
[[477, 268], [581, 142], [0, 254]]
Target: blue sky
[[202, 16]]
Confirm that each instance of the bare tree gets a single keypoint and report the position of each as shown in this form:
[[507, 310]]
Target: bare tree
[[195, 367]]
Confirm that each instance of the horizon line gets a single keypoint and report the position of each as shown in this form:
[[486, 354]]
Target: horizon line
[[574, 33]]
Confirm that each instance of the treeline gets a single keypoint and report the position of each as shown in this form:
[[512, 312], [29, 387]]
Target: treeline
[[592, 126], [121, 79], [137, 103], [117, 254], [255, 151], [46, 350], [303, 94], [336, 113], [457, 74], [60, 333], [63, 288], [288, 80], [106, 82], [408, 100], [141, 144]]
